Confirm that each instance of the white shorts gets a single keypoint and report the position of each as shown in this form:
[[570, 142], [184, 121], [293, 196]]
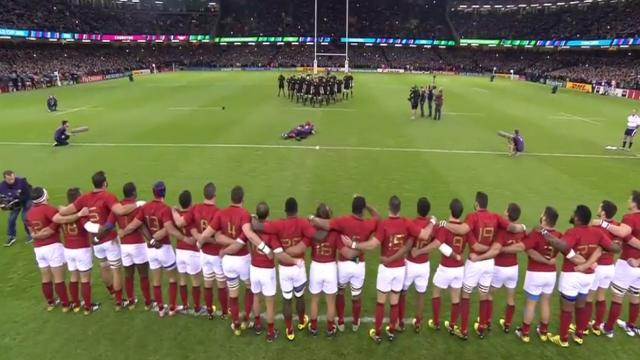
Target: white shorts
[[292, 280], [574, 283], [51, 255], [78, 259], [108, 251], [604, 276], [417, 274], [506, 276], [539, 282], [188, 261], [162, 258], [626, 277], [478, 274], [390, 279], [211, 267], [263, 280], [134, 254], [236, 267], [323, 278], [352, 274], [448, 277]]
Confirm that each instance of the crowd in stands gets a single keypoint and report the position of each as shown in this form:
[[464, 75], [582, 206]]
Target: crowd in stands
[[34, 61]]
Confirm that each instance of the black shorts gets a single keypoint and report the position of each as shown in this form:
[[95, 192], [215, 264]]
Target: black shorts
[[414, 106], [630, 132]]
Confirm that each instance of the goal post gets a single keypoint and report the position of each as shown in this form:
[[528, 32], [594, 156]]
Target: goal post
[[315, 39]]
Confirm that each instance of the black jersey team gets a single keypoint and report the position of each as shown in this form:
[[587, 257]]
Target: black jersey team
[[418, 96], [316, 90]]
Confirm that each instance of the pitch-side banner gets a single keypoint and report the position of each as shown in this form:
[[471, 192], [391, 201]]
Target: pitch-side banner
[[582, 87]]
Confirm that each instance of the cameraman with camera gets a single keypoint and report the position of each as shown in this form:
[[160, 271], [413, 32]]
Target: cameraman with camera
[[15, 195]]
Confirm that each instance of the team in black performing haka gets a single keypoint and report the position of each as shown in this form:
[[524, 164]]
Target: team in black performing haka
[[316, 90]]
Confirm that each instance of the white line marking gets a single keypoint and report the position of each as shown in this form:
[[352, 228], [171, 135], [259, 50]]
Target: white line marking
[[480, 90], [575, 117], [319, 109], [71, 110], [463, 113], [189, 108], [330, 148]]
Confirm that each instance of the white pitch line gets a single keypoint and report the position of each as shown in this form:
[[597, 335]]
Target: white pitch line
[[71, 110], [480, 90], [319, 109], [189, 108], [463, 113], [571, 116], [330, 148]]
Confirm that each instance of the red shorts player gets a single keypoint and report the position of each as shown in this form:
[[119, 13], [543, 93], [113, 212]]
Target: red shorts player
[[581, 246], [450, 271], [232, 225], [394, 236], [106, 248], [156, 216], [351, 268], [540, 279], [134, 250], [43, 221]]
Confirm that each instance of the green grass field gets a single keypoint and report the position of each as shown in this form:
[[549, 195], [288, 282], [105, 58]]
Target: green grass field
[[167, 127]]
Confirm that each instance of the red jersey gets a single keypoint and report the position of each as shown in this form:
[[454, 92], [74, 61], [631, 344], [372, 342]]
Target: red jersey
[[420, 222], [628, 251], [607, 258], [258, 258], [187, 215], [484, 225], [230, 221], [99, 202], [40, 216], [393, 233], [155, 214], [290, 232], [535, 241], [456, 242], [75, 236], [203, 215], [356, 228], [506, 238], [583, 240], [325, 251], [124, 220]]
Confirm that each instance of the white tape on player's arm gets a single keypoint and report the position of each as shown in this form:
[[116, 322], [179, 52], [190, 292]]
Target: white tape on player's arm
[[571, 254], [446, 250]]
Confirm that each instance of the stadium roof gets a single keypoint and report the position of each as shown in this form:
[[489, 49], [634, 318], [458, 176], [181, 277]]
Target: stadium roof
[[515, 4]]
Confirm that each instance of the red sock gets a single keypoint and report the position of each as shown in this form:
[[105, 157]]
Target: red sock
[[508, 314], [488, 313], [47, 292], [588, 313], [118, 296], [74, 292], [85, 288], [146, 291], [455, 310], [330, 324], [223, 298], [544, 328], [601, 308], [61, 290], [184, 295], [235, 311], [157, 293], [393, 318], [248, 303], [464, 315], [340, 308], [301, 316], [288, 321], [614, 314], [401, 308], [356, 304], [580, 321], [565, 320], [257, 321], [379, 317], [483, 311], [173, 294], [633, 314], [195, 294], [525, 329], [110, 289], [314, 324], [208, 299], [435, 309], [270, 329], [128, 288]]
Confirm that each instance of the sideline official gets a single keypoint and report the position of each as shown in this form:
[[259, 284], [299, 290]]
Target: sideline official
[[15, 193]]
